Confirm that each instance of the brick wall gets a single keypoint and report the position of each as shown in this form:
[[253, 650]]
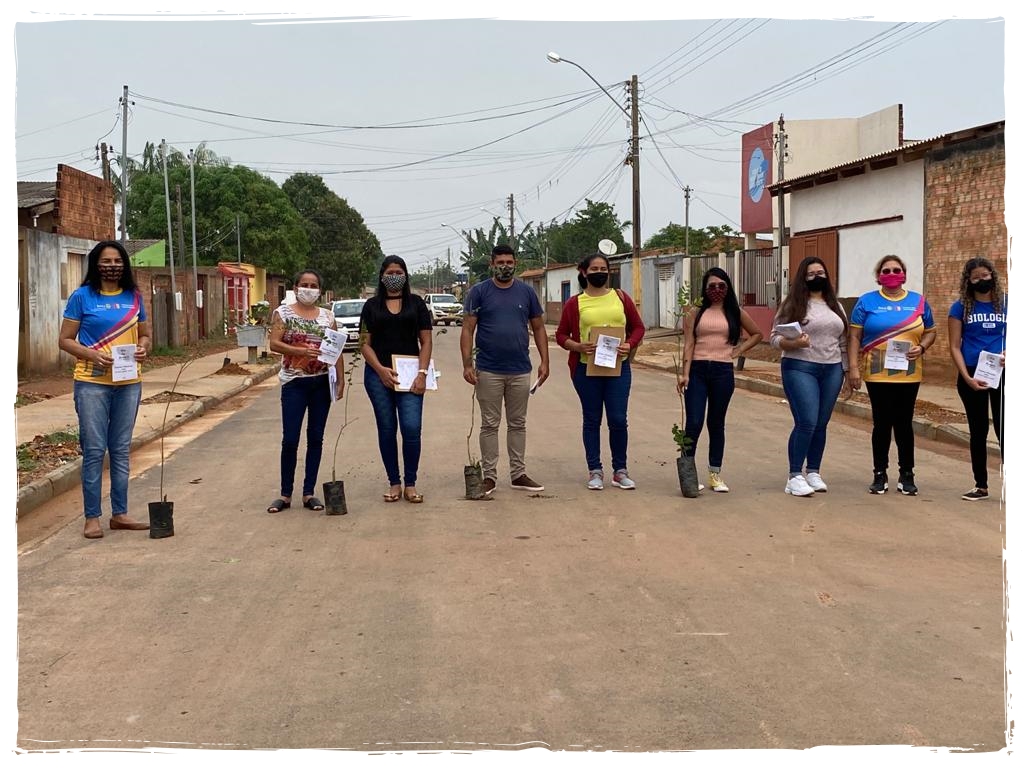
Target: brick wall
[[85, 205], [964, 207]]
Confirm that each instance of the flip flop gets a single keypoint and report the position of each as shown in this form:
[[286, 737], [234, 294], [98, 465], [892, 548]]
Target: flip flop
[[277, 505], [391, 497], [413, 498], [313, 503]]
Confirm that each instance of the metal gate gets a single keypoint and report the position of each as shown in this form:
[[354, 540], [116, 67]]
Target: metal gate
[[757, 283]]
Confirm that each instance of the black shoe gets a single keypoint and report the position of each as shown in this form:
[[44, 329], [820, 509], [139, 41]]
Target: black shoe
[[880, 484], [975, 494], [906, 484]]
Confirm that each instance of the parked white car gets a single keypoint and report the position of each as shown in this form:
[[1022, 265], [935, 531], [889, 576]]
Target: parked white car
[[347, 313], [444, 308]]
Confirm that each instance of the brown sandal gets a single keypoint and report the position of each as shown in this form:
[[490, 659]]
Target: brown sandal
[[413, 498], [391, 497]]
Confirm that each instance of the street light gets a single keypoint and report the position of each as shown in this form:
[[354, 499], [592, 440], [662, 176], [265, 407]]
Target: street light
[[634, 116]]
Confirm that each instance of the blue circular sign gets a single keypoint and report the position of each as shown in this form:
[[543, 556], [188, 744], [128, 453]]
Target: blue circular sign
[[757, 175]]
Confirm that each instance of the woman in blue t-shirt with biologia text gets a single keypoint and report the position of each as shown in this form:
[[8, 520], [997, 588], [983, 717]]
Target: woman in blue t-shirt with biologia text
[[977, 323], [106, 329]]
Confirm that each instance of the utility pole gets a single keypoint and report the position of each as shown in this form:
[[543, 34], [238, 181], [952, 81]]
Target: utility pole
[[238, 232], [451, 277], [635, 162], [686, 194], [780, 142], [170, 232], [181, 249], [512, 221], [105, 161], [124, 165], [192, 184]]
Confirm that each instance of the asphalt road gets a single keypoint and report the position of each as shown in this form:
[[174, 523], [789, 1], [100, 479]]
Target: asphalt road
[[570, 619]]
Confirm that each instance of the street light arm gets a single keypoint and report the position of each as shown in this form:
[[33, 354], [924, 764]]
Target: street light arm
[[557, 59]]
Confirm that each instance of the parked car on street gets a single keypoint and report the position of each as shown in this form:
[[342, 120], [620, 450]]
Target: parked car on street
[[346, 314], [444, 308]]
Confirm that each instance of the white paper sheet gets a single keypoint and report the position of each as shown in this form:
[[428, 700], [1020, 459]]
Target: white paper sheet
[[125, 367], [896, 355], [606, 354], [989, 369], [331, 346], [332, 380], [408, 369], [789, 330]]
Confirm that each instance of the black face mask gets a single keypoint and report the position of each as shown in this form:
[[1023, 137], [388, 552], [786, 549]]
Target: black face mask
[[111, 272], [817, 283], [598, 279], [983, 286]]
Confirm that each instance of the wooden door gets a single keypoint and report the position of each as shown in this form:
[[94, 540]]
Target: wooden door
[[824, 245]]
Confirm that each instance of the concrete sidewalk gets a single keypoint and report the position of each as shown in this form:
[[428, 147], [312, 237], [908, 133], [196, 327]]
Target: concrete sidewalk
[[766, 378], [199, 381]]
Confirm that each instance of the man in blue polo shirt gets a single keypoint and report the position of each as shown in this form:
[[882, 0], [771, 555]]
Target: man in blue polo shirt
[[501, 312]]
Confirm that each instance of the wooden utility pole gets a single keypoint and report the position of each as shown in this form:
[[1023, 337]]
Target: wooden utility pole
[[105, 160], [635, 162]]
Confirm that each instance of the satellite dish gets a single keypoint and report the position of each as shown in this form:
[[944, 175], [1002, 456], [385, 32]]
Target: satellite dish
[[607, 247]]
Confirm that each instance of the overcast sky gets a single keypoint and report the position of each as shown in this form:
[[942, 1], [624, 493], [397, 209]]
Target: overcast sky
[[948, 75]]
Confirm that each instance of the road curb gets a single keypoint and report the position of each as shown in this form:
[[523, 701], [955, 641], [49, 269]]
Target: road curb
[[69, 475], [942, 433]]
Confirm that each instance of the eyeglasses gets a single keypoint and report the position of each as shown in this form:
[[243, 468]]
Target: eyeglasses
[[892, 271], [712, 286], [817, 274]]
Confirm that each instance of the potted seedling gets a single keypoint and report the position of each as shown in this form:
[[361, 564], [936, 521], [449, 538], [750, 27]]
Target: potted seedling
[[161, 513], [686, 465], [473, 471], [334, 491]]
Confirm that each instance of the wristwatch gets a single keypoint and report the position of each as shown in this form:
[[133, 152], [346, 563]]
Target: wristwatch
[[423, 371]]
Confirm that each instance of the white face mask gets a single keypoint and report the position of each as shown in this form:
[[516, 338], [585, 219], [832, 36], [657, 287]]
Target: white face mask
[[307, 295]]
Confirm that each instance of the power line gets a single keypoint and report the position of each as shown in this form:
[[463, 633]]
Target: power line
[[578, 95], [58, 125], [705, 202]]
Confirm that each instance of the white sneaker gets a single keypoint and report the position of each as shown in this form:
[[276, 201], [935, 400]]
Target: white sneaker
[[717, 484], [797, 486], [817, 484], [596, 482], [621, 479]]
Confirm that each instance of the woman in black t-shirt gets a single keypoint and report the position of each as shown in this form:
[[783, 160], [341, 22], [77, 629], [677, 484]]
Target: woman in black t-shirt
[[396, 322]]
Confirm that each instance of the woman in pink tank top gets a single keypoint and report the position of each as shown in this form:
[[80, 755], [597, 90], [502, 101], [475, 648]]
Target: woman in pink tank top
[[712, 334]]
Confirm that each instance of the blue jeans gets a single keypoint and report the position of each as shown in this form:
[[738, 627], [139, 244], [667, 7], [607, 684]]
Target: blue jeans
[[106, 418], [709, 392], [312, 393], [812, 390], [608, 395], [393, 411]]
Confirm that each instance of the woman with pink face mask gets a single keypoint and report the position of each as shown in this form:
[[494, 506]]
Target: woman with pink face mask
[[890, 330], [296, 332]]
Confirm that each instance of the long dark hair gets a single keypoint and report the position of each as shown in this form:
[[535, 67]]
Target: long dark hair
[[731, 307], [967, 295], [92, 273], [382, 293], [794, 306], [584, 265]]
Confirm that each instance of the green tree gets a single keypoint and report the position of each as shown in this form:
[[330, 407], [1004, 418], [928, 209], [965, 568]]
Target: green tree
[[342, 248], [272, 232], [707, 240], [569, 242]]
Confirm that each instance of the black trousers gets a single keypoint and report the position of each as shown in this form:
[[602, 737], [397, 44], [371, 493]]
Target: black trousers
[[976, 406], [892, 411]]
